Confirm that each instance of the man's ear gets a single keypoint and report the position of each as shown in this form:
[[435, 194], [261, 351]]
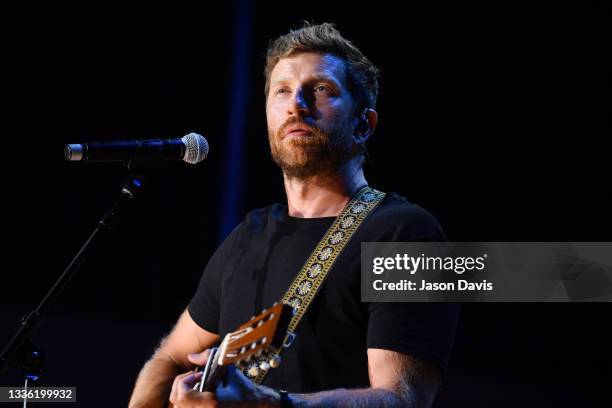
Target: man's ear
[[365, 125]]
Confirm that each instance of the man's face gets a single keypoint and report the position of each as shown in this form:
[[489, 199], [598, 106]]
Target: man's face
[[310, 115]]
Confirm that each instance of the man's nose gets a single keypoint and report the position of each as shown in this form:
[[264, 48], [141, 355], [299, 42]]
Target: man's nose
[[299, 104]]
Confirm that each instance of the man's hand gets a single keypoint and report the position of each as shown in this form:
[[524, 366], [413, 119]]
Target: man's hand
[[155, 379], [236, 390], [184, 396]]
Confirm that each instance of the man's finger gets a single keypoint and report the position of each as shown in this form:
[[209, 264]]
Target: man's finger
[[176, 385], [199, 358], [186, 396], [188, 381]]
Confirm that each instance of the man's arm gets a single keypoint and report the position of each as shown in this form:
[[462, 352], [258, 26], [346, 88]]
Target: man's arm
[[155, 379], [396, 380]]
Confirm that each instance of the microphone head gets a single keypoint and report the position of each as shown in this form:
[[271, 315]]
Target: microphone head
[[196, 148], [73, 152]]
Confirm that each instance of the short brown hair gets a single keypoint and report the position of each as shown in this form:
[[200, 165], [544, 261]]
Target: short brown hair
[[362, 75]]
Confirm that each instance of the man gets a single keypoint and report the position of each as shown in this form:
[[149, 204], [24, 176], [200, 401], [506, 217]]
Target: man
[[320, 97]]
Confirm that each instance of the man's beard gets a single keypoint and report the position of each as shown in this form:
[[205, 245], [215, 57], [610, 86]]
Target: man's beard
[[321, 153]]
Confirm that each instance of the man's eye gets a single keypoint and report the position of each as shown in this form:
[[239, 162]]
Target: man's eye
[[281, 90], [321, 88]]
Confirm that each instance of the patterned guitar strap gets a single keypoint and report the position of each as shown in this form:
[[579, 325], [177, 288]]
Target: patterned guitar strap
[[310, 279]]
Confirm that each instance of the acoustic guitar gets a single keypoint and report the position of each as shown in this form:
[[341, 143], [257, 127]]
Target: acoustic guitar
[[254, 346]]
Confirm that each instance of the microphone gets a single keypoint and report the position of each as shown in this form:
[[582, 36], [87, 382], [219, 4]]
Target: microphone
[[191, 148]]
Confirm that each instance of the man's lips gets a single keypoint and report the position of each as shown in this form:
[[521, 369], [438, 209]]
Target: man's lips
[[297, 131]]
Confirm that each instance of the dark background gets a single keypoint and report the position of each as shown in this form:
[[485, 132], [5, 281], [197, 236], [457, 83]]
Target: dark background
[[494, 118]]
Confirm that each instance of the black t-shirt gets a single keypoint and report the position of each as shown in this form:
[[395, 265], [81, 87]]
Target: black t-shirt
[[255, 265]]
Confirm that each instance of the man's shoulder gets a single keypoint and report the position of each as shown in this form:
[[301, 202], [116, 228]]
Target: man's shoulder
[[400, 219], [397, 207]]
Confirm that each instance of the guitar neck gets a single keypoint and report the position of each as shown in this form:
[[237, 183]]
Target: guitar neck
[[213, 372]]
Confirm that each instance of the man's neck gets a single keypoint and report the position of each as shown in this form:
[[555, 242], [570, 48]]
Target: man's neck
[[324, 195]]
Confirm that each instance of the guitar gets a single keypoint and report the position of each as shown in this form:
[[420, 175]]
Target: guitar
[[253, 347]]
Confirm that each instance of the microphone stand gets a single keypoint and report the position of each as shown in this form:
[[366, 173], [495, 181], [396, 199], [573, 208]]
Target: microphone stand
[[20, 350]]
